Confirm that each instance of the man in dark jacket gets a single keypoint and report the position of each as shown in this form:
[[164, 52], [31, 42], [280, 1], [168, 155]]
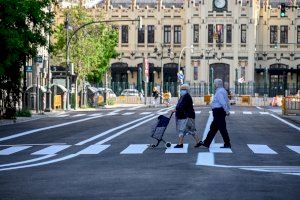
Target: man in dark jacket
[[185, 116]]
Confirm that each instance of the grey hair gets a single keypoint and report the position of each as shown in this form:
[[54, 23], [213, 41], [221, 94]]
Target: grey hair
[[218, 83]]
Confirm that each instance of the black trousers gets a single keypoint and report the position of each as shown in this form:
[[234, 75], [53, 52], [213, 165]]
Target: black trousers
[[218, 123]]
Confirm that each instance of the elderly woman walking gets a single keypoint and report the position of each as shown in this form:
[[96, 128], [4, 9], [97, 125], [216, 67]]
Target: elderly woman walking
[[185, 117]]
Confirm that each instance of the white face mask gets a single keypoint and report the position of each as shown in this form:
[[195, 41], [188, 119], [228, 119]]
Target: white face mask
[[182, 92]]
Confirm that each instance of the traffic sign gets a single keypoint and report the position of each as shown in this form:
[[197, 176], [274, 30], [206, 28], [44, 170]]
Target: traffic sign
[[146, 67], [38, 59], [180, 75], [28, 68]]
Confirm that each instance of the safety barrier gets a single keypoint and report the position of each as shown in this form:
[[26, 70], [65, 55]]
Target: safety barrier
[[57, 102], [207, 99], [129, 99], [291, 105]]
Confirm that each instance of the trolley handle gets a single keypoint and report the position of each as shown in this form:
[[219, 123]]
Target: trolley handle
[[171, 114]]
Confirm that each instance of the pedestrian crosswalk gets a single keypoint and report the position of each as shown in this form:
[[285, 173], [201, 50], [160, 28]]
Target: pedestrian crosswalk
[[198, 112], [260, 149]]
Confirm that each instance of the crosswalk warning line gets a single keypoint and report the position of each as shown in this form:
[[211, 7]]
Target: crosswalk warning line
[[128, 113], [135, 149], [294, 148], [177, 150], [51, 150], [261, 149], [12, 150], [216, 148], [94, 149]]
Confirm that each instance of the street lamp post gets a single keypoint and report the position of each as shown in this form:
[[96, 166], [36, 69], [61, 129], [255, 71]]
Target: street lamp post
[[69, 38], [206, 55], [178, 70], [48, 93]]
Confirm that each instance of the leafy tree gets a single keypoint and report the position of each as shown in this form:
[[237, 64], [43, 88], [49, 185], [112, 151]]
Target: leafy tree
[[22, 27], [91, 48]]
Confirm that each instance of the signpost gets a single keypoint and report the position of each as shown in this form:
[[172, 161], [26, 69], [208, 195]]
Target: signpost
[[28, 68]]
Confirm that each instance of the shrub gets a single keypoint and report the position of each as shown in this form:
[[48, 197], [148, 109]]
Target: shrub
[[23, 113]]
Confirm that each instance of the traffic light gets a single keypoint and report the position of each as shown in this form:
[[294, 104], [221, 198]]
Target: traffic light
[[282, 10]]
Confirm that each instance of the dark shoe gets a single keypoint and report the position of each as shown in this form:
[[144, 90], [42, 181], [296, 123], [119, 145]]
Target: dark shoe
[[227, 146], [179, 146], [199, 144]]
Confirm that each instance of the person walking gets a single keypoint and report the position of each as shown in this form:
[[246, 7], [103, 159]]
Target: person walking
[[220, 109], [185, 116], [155, 95]]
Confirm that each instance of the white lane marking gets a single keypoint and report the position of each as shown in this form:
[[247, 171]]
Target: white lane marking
[[215, 148], [206, 159], [44, 144], [46, 128], [145, 113], [135, 149], [12, 150], [95, 114], [111, 130], [264, 113], [294, 148], [259, 108], [247, 113], [207, 127], [136, 107], [261, 149], [51, 150], [232, 112], [125, 130], [93, 149], [42, 163], [27, 161], [162, 113], [78, 115], [128, 113], [66, 115], [286, 122], [177, 150], [197, 112]]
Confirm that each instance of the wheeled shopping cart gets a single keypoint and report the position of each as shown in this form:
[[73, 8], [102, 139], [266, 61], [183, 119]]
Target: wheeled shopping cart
[[159, 130]]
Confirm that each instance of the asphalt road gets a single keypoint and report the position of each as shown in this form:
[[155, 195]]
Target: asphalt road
[[105, 155]]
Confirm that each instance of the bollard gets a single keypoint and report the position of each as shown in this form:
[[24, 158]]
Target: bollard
[[283, 106]]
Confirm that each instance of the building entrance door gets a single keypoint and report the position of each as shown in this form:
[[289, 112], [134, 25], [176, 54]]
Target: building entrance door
[[277, 86], [219, 70]]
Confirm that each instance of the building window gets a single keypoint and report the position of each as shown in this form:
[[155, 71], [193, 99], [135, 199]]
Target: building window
[[298, 34], [220, 32], [141, 35], [177, 34], [210, 33], [150, 34], [195, 73], [124, 30], [228, 33], [243, 33], [283, 34], [196, 33], [167, 34], [273, 34]]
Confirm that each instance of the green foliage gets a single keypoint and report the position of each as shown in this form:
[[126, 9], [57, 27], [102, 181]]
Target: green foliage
[[22, 28], [91, 47], [111, 101], [24, 113]]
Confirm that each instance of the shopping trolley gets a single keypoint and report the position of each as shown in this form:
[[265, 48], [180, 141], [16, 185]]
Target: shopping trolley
[[159, 130]]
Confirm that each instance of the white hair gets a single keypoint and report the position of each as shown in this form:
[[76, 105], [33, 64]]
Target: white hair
[[218, 83]]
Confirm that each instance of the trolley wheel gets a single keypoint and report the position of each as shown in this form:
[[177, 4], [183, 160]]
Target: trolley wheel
[[168, 144]]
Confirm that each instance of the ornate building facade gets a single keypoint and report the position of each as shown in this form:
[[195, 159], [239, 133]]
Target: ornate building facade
[[244, 42]]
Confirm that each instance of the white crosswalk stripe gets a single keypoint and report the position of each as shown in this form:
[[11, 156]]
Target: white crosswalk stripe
[[95, 114], [261, 149], [79, 115], [247, 113], [51, 150], [128, 113], [232, 112], [215, 148], [66, 115], [135, 149], [177, 150], [145, 113], [264, 113], [294, 148], [93, 149], [12, 150], [198, 112]]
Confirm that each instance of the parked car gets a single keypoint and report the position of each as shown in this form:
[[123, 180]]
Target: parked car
[[130, 92], [110, 93]]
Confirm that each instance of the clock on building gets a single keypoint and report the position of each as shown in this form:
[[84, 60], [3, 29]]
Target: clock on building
[[219, 5]]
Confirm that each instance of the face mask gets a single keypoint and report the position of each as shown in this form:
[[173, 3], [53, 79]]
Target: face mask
[[182, 92]]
